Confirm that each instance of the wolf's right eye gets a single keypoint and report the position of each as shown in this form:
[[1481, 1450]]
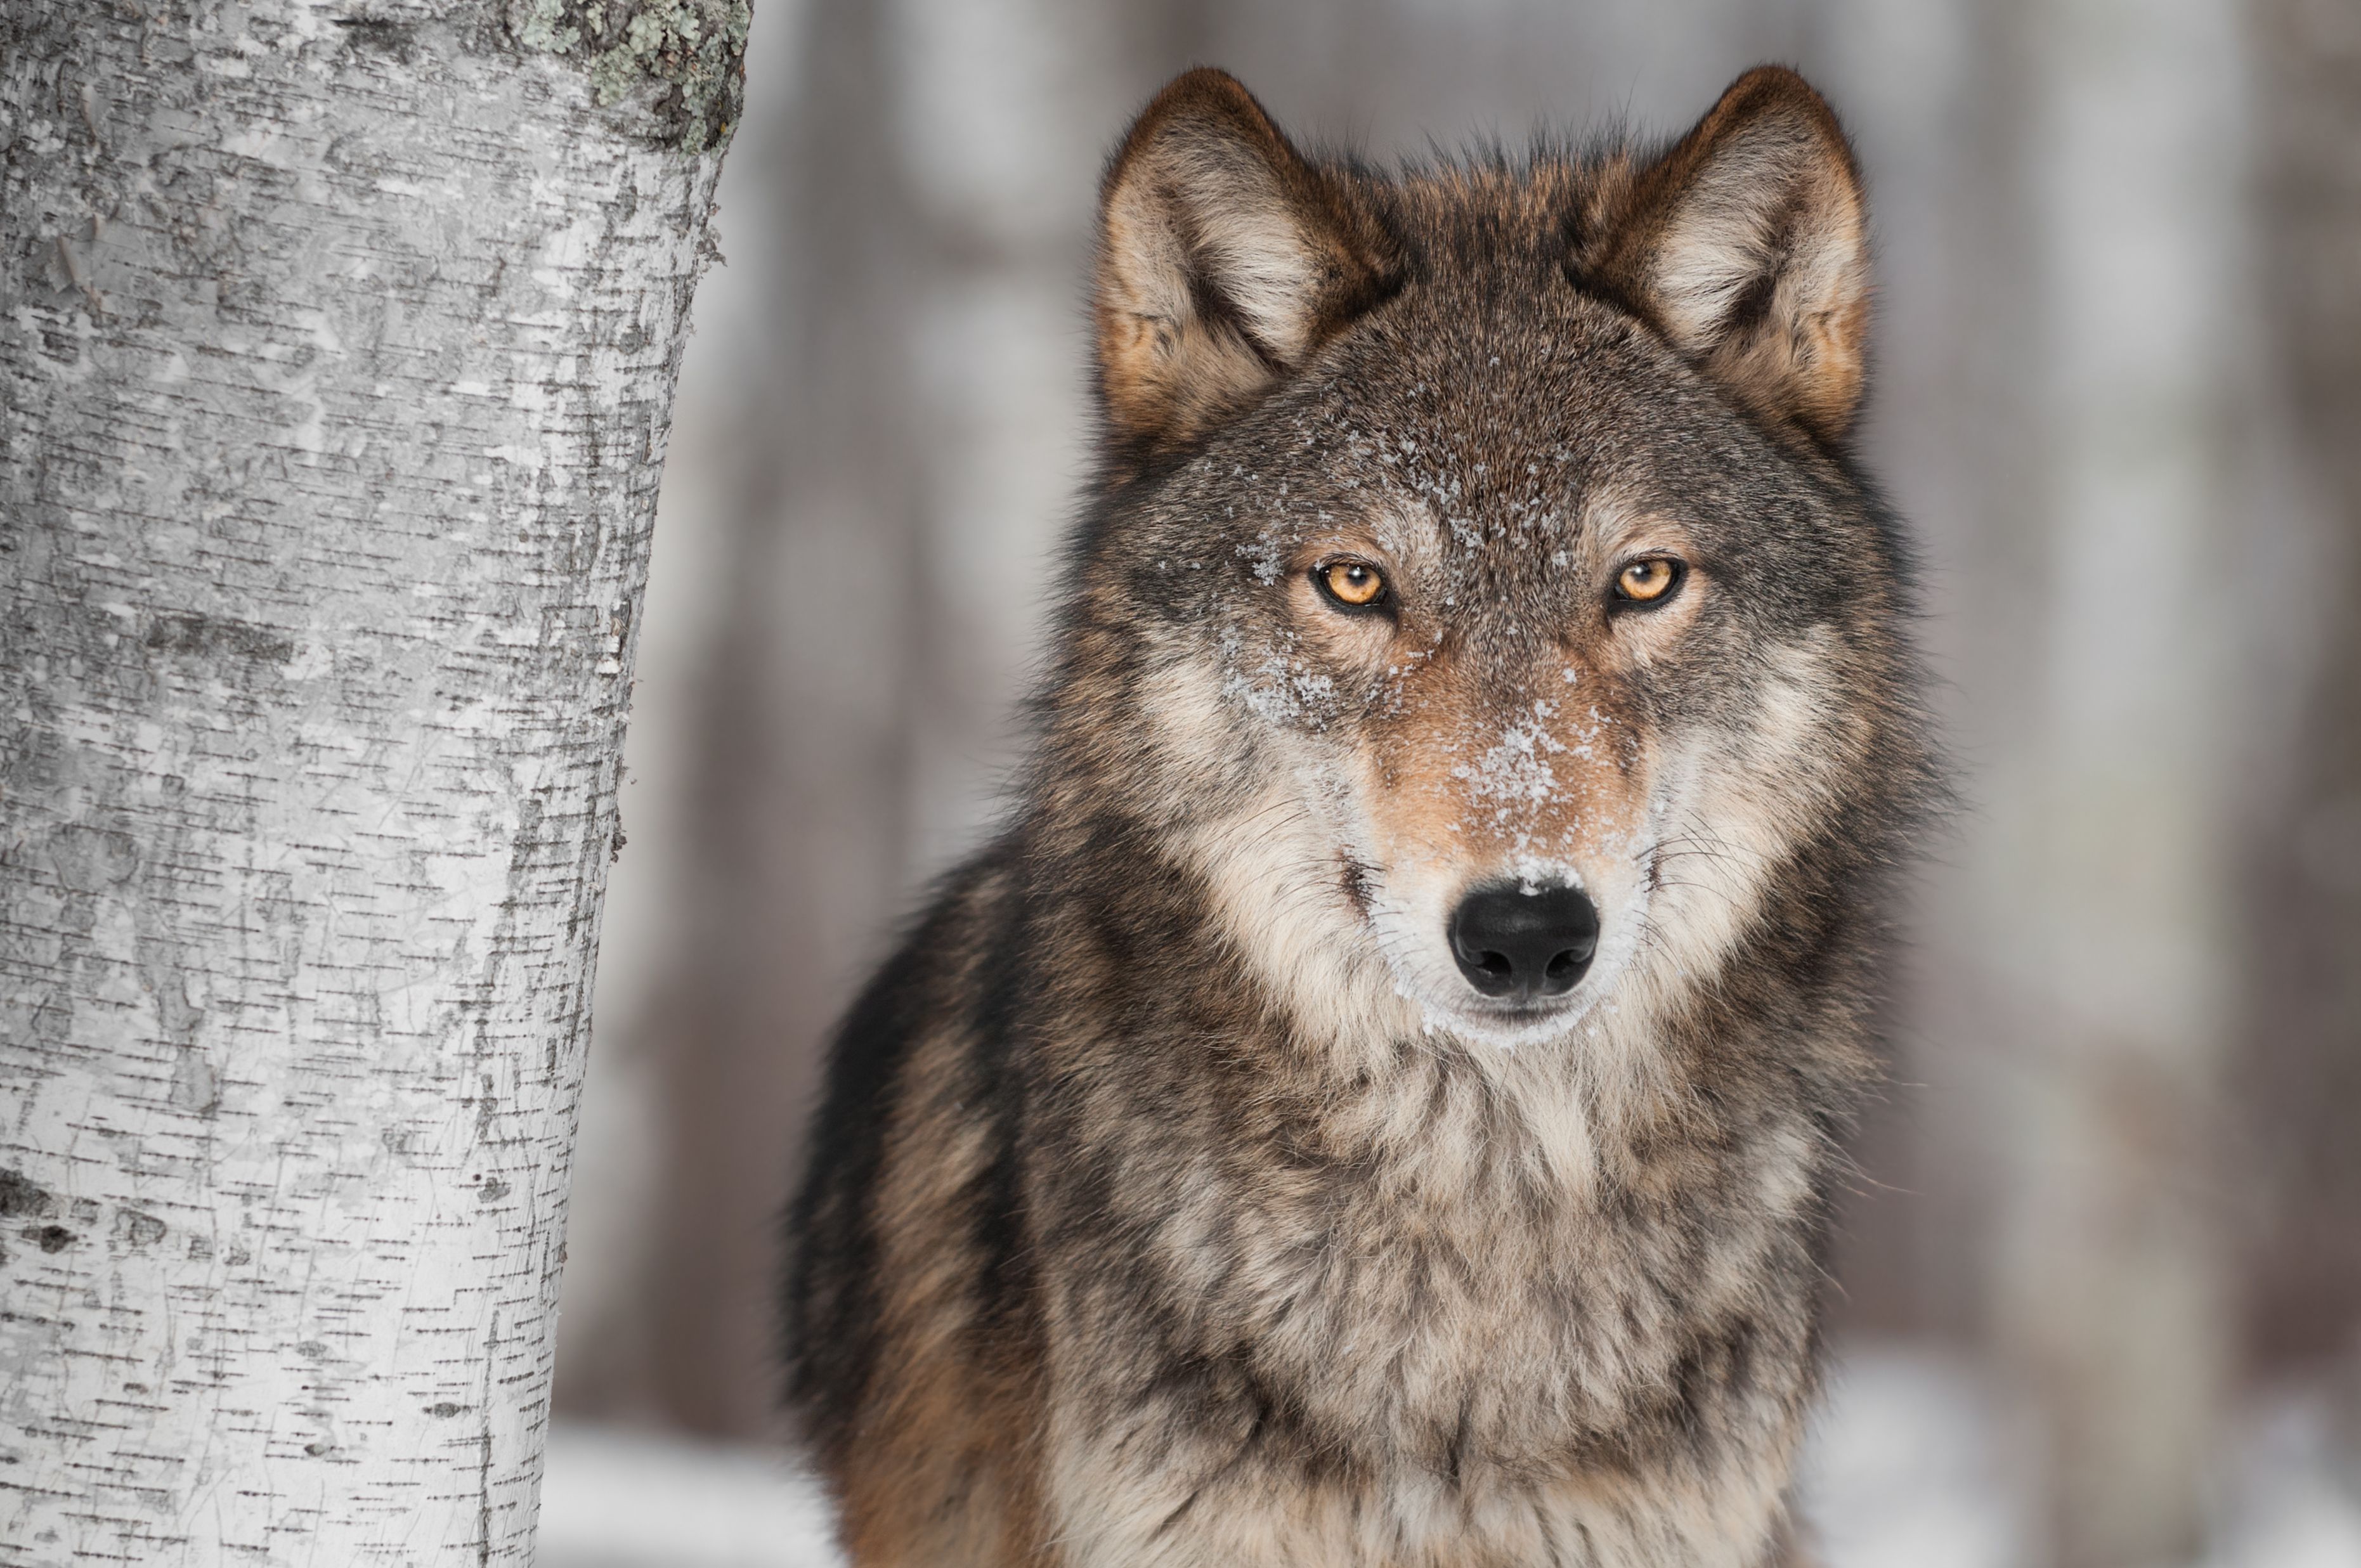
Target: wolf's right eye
[[1354, 584]]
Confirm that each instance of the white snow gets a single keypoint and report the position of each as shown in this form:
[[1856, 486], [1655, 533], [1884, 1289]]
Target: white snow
[[1907, 1467], [1917, 1462], [611, 1498]]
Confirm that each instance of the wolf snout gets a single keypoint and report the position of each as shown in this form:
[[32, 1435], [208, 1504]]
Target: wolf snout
[[1517, 942]]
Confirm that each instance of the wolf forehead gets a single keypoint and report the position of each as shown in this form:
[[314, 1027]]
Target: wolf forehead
[[1492, 361], [1541, 423]]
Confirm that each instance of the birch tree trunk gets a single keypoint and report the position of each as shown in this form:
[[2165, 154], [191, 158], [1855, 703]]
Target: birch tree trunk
[[338, 343]]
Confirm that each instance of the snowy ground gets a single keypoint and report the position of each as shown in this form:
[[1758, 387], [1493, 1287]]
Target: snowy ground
[[1914, 1467], [610, 1499]]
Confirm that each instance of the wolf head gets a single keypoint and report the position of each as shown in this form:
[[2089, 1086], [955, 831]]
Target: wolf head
[[1479, 599]]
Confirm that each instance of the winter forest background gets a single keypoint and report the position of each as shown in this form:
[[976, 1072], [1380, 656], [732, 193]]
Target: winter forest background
[[2101, 1281]]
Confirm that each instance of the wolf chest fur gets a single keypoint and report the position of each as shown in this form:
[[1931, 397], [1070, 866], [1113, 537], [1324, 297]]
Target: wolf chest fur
[[1376, 1102]]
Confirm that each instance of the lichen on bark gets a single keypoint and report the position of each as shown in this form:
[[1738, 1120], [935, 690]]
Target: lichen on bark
[[687, 56]]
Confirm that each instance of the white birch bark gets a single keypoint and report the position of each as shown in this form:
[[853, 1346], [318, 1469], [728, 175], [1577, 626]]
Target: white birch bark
[[336, 352]]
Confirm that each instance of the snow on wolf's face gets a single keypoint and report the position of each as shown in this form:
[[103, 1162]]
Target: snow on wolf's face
[[1474, 597]]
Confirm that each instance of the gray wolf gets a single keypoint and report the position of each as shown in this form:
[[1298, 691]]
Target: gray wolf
[[1378, 1101]]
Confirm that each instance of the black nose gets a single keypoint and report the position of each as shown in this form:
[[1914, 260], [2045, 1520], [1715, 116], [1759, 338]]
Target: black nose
[[1517, 942]]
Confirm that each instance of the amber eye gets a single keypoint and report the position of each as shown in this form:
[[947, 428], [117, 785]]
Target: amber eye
[[1355, 585], [1649, 579]]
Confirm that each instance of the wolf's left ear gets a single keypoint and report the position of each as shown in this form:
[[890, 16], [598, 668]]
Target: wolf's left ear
[[1747, 245], [1224, 259]]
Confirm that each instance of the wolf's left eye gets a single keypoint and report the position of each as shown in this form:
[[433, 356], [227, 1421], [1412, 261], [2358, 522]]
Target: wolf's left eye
[[1648, 580], [1355, 585]]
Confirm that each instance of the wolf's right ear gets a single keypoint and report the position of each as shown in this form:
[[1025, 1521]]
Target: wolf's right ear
[[1224, 259]]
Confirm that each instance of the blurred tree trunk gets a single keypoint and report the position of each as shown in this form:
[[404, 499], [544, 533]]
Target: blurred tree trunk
[[888, 523], [2108, 904], [794, 820], [334, 380], [2302, 1034]]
